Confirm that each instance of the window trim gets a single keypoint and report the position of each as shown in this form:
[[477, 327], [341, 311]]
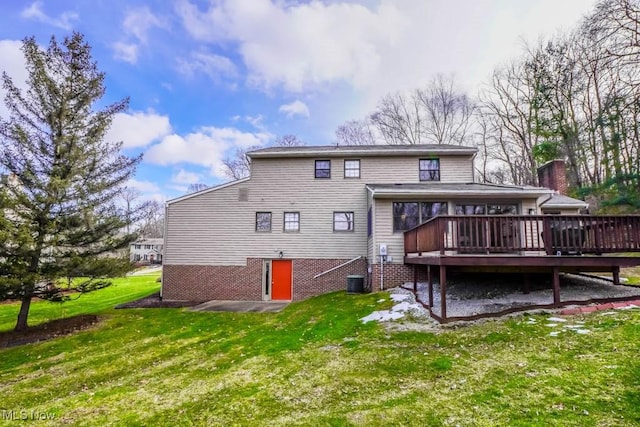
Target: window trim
[[284, 222], [353, 222], [420, 170], [315, 173], [270, 222], [352, 169]]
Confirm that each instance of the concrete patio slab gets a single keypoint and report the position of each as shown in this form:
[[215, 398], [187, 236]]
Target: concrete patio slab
[[242, 306]]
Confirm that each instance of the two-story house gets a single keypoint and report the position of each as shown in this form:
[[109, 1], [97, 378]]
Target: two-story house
[[308, 217], [147, 251]]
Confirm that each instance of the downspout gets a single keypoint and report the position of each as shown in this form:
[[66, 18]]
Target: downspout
[[164, 247], [373, 257]]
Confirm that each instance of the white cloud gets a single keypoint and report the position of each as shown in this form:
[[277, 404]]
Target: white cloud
[[138, 22], [372, 47], [216, 67], [295, 108], [138, 129], [136, 26], [64, 20], [144, 186], [127, 52], [184, 177], [300, 45], [207, 147], [12, 62]]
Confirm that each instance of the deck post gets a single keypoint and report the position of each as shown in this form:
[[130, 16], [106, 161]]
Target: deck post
[[443, 293], [430, 286], [415, 278], [556, 286], [616, 275], [526, 286]]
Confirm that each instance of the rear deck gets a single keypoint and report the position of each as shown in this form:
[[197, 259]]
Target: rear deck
[[524, 244]]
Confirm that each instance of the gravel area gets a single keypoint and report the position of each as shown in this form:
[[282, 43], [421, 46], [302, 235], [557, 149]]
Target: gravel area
[[468, 296]]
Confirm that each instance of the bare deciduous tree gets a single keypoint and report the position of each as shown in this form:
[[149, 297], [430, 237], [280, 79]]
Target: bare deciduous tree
[[152, 225], [355, 132], [447, 112], [197, 186], [239, 166], [435, 114]]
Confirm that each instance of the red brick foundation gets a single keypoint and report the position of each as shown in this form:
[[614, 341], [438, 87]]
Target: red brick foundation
[[394, 275], [304, 270], [206, 282], [244, 283]]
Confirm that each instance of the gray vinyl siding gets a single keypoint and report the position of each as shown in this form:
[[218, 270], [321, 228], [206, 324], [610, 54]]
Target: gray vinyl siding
[[388, 170], [384, 231], [215, 228]]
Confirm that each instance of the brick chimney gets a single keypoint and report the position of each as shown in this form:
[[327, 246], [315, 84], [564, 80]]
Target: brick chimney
[[553, 175]]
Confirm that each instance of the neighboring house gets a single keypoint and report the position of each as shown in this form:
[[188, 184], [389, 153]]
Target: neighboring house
[[147, 251], [308, 217]]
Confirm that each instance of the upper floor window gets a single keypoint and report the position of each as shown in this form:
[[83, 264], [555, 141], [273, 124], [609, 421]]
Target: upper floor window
[[407, 215], [292, 221], [429, 169], [352, 168], [263, 221], [343, 221], [323, 168], [137, 246]]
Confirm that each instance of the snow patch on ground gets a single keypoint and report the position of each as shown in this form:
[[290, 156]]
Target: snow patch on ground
[[405, 303]]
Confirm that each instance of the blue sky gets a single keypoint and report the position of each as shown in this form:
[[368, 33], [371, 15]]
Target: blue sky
[[208, 77]]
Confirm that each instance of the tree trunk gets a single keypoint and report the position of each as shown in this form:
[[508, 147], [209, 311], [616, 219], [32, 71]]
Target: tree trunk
[[23, 315]]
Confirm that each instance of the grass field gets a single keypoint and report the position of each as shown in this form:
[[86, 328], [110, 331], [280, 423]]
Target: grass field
[[315, 363], [122, 290]]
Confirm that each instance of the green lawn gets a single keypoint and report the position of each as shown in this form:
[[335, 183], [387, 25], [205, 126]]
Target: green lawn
[[315, 363], [122, 290]]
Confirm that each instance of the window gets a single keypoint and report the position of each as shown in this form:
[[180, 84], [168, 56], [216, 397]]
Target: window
[[323, 168], [147, 246], [146, 257], [482, 209], [369, 223], [407, 215], [291, 221], [429, 169], [136, 257], [343, 221], [263, 221], [430, 209], [137, 246], [352, 168]]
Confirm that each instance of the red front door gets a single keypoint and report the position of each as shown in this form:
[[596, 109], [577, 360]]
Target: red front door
[[281, 279]]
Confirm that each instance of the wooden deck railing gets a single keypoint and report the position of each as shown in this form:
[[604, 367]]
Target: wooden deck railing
[[552, 234]]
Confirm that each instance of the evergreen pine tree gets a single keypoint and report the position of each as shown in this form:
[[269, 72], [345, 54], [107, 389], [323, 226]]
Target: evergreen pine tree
[[59, 209]]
